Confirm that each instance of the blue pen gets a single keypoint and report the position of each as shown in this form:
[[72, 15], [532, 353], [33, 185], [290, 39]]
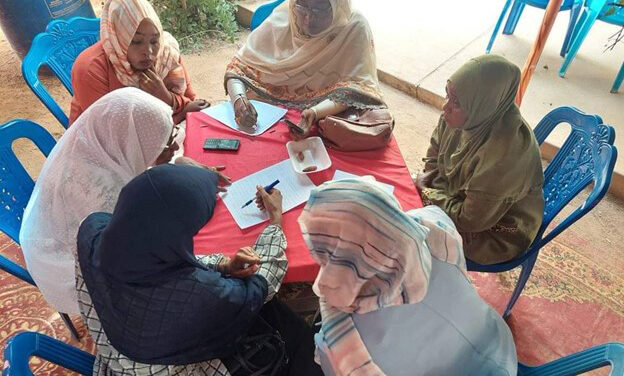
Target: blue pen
[[267, 189]]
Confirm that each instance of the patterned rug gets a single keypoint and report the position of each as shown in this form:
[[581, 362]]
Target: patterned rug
[[570, 303]]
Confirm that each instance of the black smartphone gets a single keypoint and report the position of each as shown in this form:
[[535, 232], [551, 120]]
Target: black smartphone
[[293, 126], [221, 144]]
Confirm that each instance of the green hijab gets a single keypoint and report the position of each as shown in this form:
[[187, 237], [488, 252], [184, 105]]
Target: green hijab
[[495, 152]]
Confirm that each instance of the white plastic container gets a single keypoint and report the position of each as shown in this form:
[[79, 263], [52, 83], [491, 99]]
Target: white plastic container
[[307, 154]]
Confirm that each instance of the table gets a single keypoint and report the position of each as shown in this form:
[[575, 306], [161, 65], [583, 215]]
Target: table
[[222, 234], [538, 46]]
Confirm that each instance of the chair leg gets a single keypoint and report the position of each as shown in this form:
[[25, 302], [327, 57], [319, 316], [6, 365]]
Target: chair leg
[[514, 17], [498, 25], [618, 80], [70, 325], [527, 267], [574, 13], [580, 33]]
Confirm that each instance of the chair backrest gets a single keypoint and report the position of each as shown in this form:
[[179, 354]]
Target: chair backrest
[[20, 348], [58, 47], [587, 156], [16, 185], [262, 13]]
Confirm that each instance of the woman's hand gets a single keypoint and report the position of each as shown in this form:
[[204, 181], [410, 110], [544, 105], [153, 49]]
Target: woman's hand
[[245, 113], [224, 180], [271, 202], [243, 264], [152, 84], [308, 118], [196, 105], [424, 179]]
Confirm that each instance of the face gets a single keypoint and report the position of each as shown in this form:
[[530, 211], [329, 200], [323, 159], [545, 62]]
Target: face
[[172, 146], [144, 46], [453, 115], [314, 16]]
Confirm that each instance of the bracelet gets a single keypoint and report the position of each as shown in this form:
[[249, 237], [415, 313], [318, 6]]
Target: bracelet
[[240, 96], [315, 113]]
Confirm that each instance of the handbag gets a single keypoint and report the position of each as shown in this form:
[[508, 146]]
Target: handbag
[[357, 130]]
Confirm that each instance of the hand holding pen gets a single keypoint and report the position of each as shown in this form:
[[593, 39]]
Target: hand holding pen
[[271, 202]]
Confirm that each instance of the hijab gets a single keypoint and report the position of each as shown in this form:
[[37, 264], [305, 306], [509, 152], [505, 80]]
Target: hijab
[[495, 149], [283, 65], [156, 303], [114, 140], [120, 21], [372, 256]]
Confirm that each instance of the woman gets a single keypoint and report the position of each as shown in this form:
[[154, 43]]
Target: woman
[[315, 55], [483, 165], [395, 280], [154, 309], [116, 138], [133, 50]]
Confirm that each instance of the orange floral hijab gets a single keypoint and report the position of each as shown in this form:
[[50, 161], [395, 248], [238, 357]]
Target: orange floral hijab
[[119, 22]]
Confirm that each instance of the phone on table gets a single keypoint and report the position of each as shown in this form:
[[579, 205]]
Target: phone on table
[[294, 126], [221, 144]]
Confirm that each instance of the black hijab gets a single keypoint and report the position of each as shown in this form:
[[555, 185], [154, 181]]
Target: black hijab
[[156, 303]]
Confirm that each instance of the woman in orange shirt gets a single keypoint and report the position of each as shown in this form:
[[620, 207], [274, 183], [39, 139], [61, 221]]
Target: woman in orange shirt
[[133, 50]]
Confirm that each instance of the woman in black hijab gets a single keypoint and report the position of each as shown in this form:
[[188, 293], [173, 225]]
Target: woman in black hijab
[[153, 308]]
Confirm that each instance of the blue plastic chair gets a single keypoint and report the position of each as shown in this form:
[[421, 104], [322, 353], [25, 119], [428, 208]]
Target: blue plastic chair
[[587, 156], [58, 47], [516, 11], [16, 186], [20, 348], [618, 80], [594, 10], [262, 13]]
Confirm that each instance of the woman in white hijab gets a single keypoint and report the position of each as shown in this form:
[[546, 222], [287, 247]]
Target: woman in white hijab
[[315, 55], [114, 140], [397, 281]]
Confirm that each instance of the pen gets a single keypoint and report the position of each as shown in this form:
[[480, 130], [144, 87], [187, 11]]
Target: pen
[[267, 189]]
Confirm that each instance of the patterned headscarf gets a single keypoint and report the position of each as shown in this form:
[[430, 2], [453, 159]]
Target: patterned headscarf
[[372, 256], [120, 21]]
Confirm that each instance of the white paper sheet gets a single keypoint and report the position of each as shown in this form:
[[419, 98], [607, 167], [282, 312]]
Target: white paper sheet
[[339, 174], [295, 190], [268, 115]]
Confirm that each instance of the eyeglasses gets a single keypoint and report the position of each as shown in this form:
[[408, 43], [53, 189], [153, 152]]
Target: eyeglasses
[[313, 12]]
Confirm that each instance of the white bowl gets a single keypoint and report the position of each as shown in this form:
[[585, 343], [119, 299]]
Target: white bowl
[[313, 152]]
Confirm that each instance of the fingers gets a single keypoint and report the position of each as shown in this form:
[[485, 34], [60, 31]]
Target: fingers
[[224, 179], [220, 168], [244, 273]]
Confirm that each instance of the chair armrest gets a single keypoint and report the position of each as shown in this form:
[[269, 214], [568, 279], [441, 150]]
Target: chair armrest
[[610, 354], [16, 270]]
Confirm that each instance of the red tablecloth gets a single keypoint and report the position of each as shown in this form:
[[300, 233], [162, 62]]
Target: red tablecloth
[[222, 234]]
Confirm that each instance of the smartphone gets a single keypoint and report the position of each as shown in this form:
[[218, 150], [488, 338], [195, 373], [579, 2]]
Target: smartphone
[[221, 144], [293, 126]]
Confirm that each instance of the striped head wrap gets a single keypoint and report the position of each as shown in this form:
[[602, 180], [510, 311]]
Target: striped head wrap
[[120, 21], [372, 255]]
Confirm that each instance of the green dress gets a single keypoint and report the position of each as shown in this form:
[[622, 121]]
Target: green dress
[[488, 175]]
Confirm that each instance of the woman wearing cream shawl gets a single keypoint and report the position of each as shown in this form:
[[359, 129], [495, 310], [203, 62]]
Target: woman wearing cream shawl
[[483, 165], [135, 51], [315, 55], [397, 281]]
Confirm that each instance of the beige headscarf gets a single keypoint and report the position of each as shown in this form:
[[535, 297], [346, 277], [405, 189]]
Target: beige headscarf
[[120, 21], [285, 66]]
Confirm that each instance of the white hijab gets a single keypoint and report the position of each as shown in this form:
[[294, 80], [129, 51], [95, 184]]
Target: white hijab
[[114, 140]]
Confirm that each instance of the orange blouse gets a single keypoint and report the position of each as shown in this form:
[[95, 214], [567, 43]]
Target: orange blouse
[[93, 76]]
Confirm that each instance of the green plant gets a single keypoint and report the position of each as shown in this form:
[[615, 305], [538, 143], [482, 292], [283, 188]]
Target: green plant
[[191, 21]]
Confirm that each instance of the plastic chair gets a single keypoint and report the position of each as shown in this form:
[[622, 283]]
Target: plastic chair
[[516, 11], [594, 10], [262, 13], [618, 80], [58, 47], [587, 156], [16, 186], [21, 347]]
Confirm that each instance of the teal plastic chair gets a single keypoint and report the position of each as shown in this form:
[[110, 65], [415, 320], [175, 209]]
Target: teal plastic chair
[[574, 6], [262, 13], [618, 80], [57, 48], [16, 186], [587, 156], [24, 345], [602, 10]]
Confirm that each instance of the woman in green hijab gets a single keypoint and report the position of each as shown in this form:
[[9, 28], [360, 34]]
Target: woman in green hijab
[[483, 166]]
